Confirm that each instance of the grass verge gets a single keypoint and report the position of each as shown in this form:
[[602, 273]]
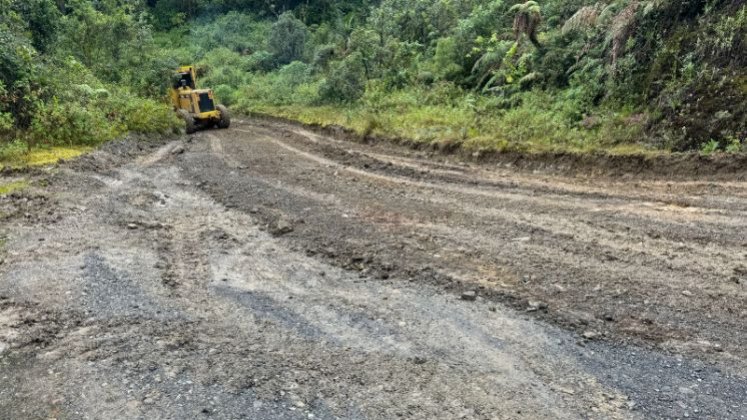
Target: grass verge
[[457, 127], [11, 187], [42, 156]]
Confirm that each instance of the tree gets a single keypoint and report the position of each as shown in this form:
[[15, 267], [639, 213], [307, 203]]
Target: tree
[[287, 40], [527, 20], [43, 19], [6, 118], [346, 81]]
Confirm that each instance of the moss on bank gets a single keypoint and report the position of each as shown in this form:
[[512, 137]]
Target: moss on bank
[[42, 156], [11, 187]]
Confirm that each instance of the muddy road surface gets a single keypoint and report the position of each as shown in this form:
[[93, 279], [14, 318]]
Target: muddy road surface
[[268, 272]]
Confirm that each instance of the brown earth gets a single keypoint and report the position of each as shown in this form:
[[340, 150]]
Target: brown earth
[[270, 271]]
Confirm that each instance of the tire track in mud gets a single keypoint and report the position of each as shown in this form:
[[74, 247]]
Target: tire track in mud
[[644, 209], [618, 242], [556, 196], [379, 219], [198, 250], [188, 303], [659, 191], [561, 229], [228, 284]]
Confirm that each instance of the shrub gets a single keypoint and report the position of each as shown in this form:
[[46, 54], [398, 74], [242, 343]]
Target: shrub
[[12, 151], [346, 80], [148, 116], [294, 73], [734, 146], [260, 61], [6, 118], [292, 84], [56, 124], [287, 40], [307, 93], [710, 147], [323, 55], [225, 94]]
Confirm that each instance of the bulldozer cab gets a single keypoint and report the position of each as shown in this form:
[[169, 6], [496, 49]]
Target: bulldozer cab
[[185, 78], [186, 96]]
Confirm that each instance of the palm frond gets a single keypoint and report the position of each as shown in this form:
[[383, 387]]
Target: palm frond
[[527, 20], [622, 28], [584, 19]]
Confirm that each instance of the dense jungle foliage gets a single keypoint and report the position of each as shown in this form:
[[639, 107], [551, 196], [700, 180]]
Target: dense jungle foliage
[[580, 75]]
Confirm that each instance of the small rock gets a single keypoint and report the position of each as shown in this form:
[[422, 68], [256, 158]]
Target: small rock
[[590, 335], [535, 306], [687, 293], [131, 226], [419, 360], [281, 226], [559, 287], [469, 296], [178, 150], [565, 390], [686, 390]]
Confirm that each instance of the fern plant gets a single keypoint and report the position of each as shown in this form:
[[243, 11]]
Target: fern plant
[[527, 21], [584, 20], [710, 147]]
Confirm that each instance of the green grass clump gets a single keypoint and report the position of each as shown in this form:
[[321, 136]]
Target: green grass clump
[[42, 156], [11, 187], [471, 122]]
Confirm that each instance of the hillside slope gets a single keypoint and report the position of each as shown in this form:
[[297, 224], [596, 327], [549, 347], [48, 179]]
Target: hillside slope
[[625, 76], [578, 75]]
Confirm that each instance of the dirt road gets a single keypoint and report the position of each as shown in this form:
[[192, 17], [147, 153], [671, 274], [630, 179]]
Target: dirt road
[[268, 272]]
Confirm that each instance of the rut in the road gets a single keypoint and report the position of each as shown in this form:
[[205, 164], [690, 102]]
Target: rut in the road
[[168, 290], [638, 259]]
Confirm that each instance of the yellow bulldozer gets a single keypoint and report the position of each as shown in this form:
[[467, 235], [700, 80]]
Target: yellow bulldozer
[[196, 106]]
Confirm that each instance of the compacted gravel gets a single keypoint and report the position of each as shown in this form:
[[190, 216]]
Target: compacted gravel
[[271, 272]]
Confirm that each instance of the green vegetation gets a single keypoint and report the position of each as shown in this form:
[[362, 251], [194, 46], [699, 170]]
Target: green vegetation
[[40, 156], [77, 73], [616, 75], [12, 187], [620, 75]]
